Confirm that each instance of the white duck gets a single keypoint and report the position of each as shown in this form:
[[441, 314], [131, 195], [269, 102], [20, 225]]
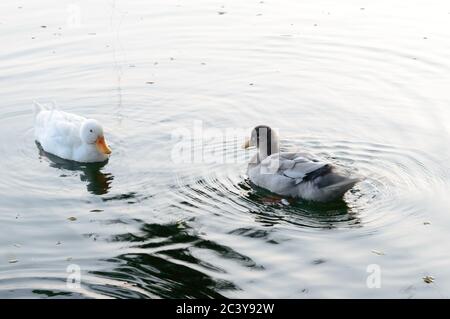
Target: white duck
[[297, 175], [70, 136]]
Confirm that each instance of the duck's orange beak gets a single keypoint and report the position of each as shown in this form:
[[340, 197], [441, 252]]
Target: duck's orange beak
[[246, 143], [101, 145]]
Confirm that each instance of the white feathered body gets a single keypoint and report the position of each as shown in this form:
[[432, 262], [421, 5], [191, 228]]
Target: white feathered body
[[299, 175], [58, 133]]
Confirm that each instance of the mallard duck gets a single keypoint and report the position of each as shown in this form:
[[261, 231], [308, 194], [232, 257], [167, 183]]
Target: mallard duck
[[70, 136], [293, 174]]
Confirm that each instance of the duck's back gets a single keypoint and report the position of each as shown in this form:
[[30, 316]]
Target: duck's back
[[269, 173], [58, 132], [299, 175]]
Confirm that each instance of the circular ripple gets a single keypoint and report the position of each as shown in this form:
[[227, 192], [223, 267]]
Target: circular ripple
[[391, 178]]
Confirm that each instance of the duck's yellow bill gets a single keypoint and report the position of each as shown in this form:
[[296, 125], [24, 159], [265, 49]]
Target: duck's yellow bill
[[246, 143], [101, 145]]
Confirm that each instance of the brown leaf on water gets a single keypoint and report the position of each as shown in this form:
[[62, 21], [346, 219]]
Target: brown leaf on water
[[72, 219], [428, 279]]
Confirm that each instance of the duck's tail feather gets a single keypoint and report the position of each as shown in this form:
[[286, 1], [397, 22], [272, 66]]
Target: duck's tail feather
[[335, 186], [37, 107]]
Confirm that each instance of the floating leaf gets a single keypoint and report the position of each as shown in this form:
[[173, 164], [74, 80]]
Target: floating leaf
[[380, 253], [13, 261], [428, 279], [72, 219]]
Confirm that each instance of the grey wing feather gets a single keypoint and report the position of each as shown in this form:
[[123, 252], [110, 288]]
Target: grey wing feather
[[304, 169]]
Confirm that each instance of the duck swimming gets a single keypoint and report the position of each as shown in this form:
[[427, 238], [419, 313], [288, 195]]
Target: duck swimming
[[293, 174], [70, 136]]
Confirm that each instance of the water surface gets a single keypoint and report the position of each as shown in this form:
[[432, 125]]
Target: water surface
[[363, 84]]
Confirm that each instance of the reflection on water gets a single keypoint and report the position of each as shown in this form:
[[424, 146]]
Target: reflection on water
[[364, 89], [164, 263], [215, 193], [98, 183], [302, 213]]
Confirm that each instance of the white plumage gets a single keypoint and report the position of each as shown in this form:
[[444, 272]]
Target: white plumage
[[298, 175], [70, 136]]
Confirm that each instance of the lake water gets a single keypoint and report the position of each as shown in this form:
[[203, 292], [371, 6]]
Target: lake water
[[364, 84]]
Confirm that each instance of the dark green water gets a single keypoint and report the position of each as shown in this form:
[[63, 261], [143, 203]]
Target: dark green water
[[362, 84]]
